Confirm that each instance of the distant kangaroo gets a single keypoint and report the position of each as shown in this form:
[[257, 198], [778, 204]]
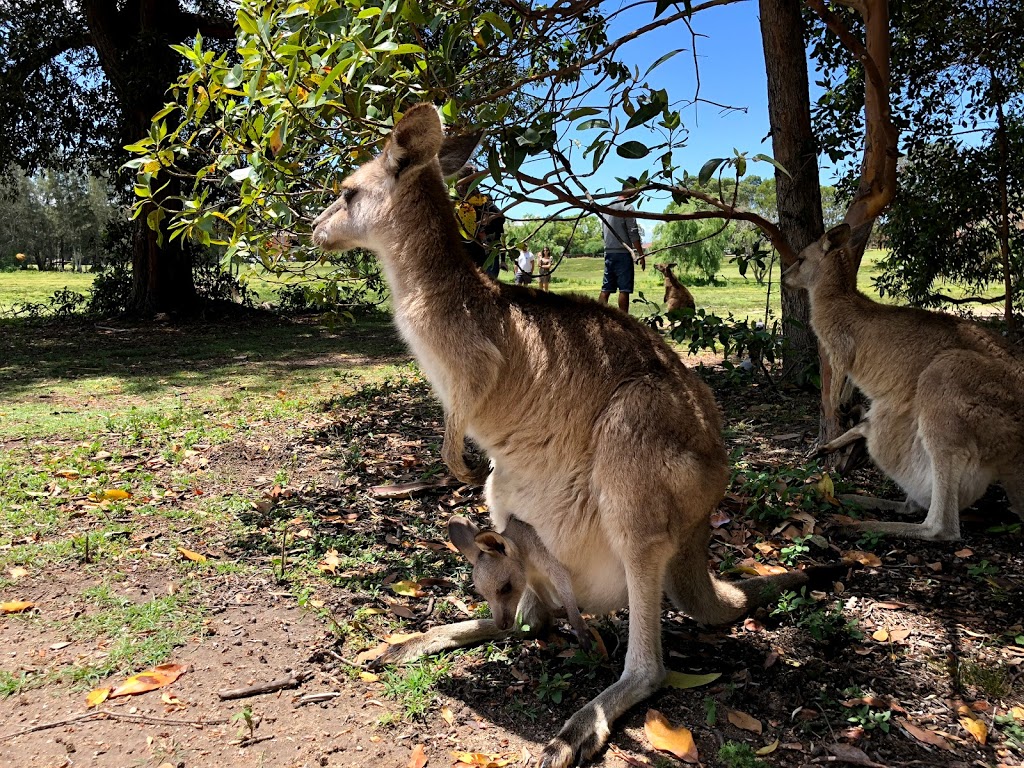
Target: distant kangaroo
[[599, 437], [677, 296], [947, 397], [506, 564]]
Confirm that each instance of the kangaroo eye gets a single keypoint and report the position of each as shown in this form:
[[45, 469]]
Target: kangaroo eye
[[349, 194], [505, 589]]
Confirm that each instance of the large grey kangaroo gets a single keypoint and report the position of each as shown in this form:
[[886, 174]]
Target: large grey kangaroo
[[599, 437], [947, 397]]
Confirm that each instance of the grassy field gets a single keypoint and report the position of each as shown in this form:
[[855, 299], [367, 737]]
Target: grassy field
[[733, 293]]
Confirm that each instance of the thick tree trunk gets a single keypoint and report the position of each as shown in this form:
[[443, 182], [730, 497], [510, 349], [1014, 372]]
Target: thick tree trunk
[[1004, 221], [793, 145], [133, 45]]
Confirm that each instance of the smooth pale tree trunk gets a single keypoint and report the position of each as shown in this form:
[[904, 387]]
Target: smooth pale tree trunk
[[799, 193]]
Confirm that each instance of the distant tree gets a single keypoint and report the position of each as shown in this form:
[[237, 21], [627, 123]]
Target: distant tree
[[568, 237], [697, 245], [83, 78]]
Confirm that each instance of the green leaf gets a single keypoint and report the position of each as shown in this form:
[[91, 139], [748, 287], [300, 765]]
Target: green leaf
[[632, 150], [646, 111], [661, 6], [684, 680], [708, 170], [241, 174], [773, 161], [233, 77], [662, 60], [247, 23], [588, 124], [334, 74], [741, 165], [576, 114], [497, 22]]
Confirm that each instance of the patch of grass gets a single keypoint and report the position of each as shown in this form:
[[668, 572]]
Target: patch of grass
[[12, 684], [733, 754], [136, 635], [415, 686], [824, 621], [29, 286], [992, 679]]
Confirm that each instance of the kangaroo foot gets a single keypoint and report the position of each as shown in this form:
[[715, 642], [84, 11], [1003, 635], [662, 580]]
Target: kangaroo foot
[[922, 531]]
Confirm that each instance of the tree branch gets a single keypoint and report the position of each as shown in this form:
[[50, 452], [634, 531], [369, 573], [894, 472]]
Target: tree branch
[[37, 59], [967, 299]]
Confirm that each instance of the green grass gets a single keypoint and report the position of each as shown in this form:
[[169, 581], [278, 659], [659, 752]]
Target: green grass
[[31, 286], [414, 686]]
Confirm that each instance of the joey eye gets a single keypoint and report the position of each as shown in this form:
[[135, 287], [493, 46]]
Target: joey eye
[[349, 194], [505, 589]]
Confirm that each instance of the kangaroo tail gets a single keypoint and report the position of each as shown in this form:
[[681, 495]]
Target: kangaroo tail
[[710, 600]]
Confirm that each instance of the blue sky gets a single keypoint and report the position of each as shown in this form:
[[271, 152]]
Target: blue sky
[[731, 63]]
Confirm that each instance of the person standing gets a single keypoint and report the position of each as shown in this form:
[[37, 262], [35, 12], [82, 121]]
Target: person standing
[[524, 266], [621, 242], [544, 264]]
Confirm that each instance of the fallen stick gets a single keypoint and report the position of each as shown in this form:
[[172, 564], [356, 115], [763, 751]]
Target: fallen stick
[[105, 714], [292, 681], [316, 698]]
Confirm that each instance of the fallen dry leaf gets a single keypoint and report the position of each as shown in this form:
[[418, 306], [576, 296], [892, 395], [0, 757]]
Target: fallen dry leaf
[[96, 697], [16, 606], [923, 735], [419, 757], [684, 680], [976, 728], [668, 738], [744, 721], [167, 698], [480, 760], [963, 553], [368, 677], [881, 635], [188, 554], [18, 573], [407, 588], [1017, 713], [767, 749], [447, 715], [899, 635], [151, 679], [853, 756], [330, 563], [113, 494], [869, 559]]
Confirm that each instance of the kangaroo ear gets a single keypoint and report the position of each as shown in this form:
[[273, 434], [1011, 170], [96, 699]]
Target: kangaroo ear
[[463, 533], [669, 266], [493, 543], [835, 237], [456, 151], [415, 140]]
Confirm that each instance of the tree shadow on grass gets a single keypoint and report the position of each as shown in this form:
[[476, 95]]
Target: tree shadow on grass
[[153, 356]]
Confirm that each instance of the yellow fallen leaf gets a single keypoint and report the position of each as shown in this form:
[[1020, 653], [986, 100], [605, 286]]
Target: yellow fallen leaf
[[668, 738], [1017, 713], [826, 487], [16, 606], [167, 698], [881, 635], [447, 715], [976, 728], [18, 573], [869, 559], [113, 494], [151, 679], [407, 588], [368, 677], [190, 555], [767, 749], [96, 697], [683, 680], [67, 474], [480, 759], [744, 721]]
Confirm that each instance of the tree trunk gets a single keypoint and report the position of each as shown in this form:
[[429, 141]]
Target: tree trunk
[[793, 145], [133, 46], [1004, 221]]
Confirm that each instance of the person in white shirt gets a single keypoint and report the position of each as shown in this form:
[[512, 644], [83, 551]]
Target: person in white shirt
[[524, 266]]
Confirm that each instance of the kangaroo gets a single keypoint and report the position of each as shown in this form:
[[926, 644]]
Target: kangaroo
[[508, 563], [946, 416], [617, 460], [677, 296]]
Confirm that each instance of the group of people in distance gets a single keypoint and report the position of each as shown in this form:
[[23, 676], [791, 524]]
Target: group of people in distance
[[483, 224]]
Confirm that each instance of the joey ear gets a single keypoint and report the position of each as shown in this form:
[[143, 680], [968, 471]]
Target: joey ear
[[463, 533], [415, 140], [456, 151], [669, 266], [493, 543], [835, 237]]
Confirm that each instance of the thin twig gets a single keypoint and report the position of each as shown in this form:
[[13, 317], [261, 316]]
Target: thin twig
[[107, 714]]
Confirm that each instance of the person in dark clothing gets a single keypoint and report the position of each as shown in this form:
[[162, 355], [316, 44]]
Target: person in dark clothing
[[482, 224]]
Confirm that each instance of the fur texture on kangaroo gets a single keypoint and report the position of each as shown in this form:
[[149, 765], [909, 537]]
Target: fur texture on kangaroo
[[947, 398], [677, 295], [506, 564], [599, 437]]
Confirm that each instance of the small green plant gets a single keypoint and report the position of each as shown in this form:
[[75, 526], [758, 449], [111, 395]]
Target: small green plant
[[414, 686], [869, 540], [983, 570], [774, 494], [733, 754], [248, 720], [826, 623], [710, 711], [869, 718], [553, 687], [796, 549], [1012, 730]]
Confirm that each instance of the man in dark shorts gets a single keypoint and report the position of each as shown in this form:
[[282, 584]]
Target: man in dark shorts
[[621, 233]]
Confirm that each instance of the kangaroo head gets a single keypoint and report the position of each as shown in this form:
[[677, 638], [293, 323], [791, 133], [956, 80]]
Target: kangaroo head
[[665, 269], [378, 200], [821, 262], [499, 572]]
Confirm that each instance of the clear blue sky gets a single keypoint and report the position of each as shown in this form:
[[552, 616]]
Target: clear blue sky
[[731, 64]]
